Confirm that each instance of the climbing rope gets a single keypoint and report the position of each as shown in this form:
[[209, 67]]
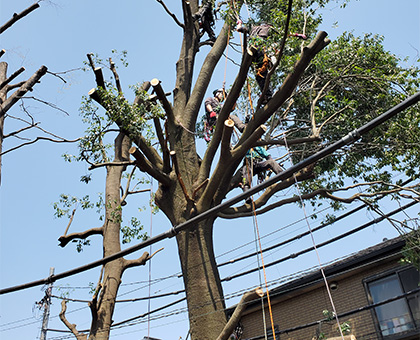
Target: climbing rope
[[249, 173], [313, 243], [265, 275], [150, 261]]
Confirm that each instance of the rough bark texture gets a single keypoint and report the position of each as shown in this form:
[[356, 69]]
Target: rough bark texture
[[187, 186], [195, 246], [102, 317]]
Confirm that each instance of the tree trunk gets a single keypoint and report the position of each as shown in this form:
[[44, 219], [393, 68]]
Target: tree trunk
[[102, 313], [206, 306]]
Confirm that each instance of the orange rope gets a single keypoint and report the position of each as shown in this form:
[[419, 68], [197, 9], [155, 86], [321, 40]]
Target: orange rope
[[249, 96], [262, 257], [265, 276]]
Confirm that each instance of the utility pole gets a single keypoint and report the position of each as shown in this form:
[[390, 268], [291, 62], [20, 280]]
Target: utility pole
[[47, 303]]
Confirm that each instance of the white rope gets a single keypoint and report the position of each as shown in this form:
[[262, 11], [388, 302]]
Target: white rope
[[313, 243], [150, 261]]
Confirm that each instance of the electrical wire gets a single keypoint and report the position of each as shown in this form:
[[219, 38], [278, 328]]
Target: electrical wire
[[290, 256], [285, 280], [346, 140]]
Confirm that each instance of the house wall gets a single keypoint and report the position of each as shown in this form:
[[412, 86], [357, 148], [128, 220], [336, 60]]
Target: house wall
[[306, 304]]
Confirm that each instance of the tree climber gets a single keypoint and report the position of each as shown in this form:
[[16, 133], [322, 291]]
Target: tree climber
[[261, 61], [205, 19], [212, 106], [257, 161]]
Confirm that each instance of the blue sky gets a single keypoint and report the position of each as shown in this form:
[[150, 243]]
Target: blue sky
[[58, 35]]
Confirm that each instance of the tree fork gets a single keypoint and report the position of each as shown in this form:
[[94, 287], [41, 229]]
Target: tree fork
[[162, 97], [11, 77], [148, 167], [18, 94], [178, 174]]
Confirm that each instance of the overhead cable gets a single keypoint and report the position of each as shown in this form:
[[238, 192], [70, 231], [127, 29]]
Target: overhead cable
[[292, 256], [346, 140]]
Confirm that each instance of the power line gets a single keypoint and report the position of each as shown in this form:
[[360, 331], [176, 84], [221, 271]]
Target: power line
[[284, 279], [289, 257], [346, 140], [297, 237], [292, 256]]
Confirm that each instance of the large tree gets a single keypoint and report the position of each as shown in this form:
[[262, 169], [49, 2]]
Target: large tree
[[321, 92]]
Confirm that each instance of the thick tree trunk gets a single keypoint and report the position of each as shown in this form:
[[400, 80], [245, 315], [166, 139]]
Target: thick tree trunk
[[206, 304]]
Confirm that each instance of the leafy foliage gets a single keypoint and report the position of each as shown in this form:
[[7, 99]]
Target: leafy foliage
[[350, 83]]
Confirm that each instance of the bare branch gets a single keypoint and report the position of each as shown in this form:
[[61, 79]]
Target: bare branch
[[116, 76], [100, 165], [15, 86], [225, 153], [148, 167], [141, 261], [57, 74], [240, 308], [70, 221], [247, 209], [171, 14], [27, 86], [162, 97], [202, 185], [38, 139], [90, 59], [82, 235], [48, 104], [14, 133], [125, 193], [178, 174], [19, 16], [71, 327], [12, 76], [99, 77], [243, 211], [289, 142], [163, 145]]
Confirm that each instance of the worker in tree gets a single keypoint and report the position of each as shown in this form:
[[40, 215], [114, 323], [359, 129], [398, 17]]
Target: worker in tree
[[205, 19], [261, 61], [257, 161], [212, 106]]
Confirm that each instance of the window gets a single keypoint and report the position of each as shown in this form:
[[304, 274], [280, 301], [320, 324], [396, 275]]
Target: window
[[402, 315]]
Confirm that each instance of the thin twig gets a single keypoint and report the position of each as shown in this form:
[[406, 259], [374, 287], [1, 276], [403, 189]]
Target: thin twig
[[171, 14]]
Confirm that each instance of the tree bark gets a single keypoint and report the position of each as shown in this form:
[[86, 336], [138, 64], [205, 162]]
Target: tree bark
[[113, 271], [18, 94], [206, 305]]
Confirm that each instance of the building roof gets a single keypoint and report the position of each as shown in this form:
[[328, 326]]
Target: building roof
[[365, 256]]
